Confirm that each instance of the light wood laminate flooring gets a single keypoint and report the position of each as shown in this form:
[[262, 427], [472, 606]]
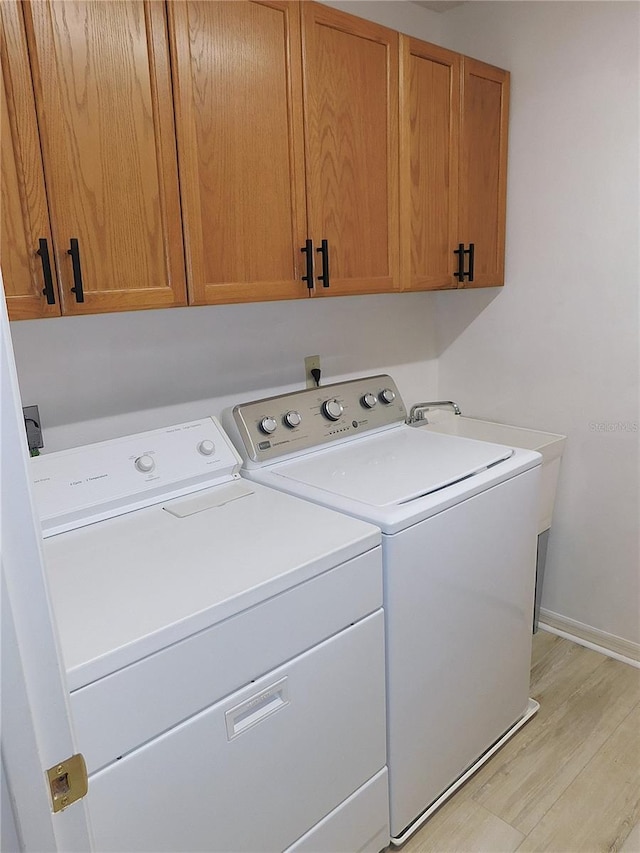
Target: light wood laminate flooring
[[569, 781]]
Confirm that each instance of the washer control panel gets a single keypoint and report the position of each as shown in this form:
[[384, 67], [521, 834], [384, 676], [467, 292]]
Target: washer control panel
[[302, 420], [85, 484]]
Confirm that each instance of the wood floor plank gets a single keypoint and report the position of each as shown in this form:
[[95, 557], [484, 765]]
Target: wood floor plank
[[547, 756], [467, 826], [598, 810], [543, 643], [632, 843], [559, 672]]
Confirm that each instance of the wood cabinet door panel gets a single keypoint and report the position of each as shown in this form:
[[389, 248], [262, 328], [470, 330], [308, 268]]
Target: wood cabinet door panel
[[351, 135], [103, 92], [429, 135], [25, 218], [240, 144], [483, 168]]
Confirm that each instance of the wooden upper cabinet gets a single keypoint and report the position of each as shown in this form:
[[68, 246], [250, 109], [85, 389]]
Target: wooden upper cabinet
[[25, 218], [483, 169], [453, 162], [265, 167], [351, 136], [102, 86], [238, 98], [214, 147], [429, 136]]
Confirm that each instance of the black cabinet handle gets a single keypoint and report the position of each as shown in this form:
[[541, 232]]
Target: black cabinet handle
[[307, 250], [74, 251], [48, 290], [460, 273], [324, 252]]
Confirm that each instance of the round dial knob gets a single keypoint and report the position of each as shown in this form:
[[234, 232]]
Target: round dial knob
[[268, 425], [332, 409], [206, 447], [293, 419], [144, 464], [387, 396], [369, 401]]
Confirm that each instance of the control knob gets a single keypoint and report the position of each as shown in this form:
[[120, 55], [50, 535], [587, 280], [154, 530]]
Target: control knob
[[368, 401], [144, 464], [332, 409], [387, 396], [293, 419], [268, 425], [206, 447]]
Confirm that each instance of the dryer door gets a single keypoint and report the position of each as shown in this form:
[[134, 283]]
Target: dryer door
[[258, 769]]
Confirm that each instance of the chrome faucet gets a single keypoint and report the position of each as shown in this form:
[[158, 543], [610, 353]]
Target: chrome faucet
[[417, 412]]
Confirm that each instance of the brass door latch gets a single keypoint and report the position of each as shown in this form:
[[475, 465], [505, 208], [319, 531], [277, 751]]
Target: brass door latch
[[68, 782]]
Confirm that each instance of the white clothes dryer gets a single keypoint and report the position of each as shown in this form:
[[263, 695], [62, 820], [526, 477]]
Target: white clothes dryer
[[458, 519], [224, 649]]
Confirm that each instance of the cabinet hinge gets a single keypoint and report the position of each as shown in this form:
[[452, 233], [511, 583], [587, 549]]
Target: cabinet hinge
[[68, 782]]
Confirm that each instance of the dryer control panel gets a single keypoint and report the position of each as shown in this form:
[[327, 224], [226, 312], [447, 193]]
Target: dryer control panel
[[290, 423], [76, 487]]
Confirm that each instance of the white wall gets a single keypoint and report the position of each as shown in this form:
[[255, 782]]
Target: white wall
[[558, 348], [100, 376], [401, 15]]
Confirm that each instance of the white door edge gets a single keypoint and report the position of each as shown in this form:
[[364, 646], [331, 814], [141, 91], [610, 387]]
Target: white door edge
[[36, 724]]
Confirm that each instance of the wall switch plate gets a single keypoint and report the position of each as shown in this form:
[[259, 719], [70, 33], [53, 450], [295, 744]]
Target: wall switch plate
[[312, 362], [33, 427]]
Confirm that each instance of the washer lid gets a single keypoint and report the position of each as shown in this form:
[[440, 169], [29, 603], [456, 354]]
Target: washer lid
[[394, 467]]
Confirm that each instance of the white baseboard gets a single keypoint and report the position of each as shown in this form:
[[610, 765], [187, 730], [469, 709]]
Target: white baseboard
[[600, 641]]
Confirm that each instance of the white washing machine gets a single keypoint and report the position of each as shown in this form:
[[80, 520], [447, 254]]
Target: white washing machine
[[224, 648], [458, 519]]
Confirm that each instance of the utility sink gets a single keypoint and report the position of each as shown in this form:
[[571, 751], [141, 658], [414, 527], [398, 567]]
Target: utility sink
[[549, 444]]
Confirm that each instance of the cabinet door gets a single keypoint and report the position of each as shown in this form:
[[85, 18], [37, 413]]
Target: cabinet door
[[350, 71], [429, 136], [238, 92], [103, 94], [483, 168], [25, 218]]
